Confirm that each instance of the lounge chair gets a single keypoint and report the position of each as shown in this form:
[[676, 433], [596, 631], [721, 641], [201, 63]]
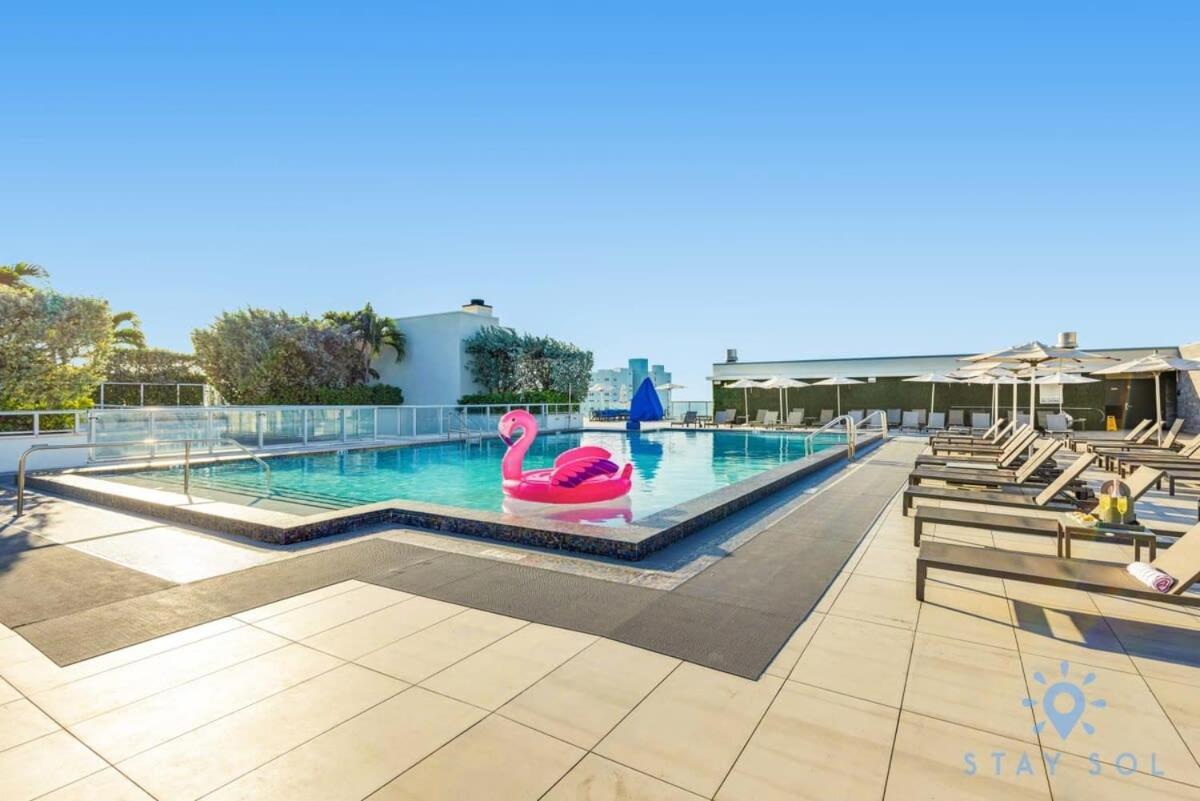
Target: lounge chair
[[920, 417], [981, 421], [770, 419], [1136, 430], [956, 421], [758, 418], [689, 419], [894, 418], [723, 417], [1122, 462], [1022, 419], [1049, 497], [957, 443], [795, 419], [1059, 425], [937, 422], [1168, 443], [856, 415], [994, 477], [826, 417], [1004, 457], [1181, 561], [989, 436], [910, 422], [1011, 523]]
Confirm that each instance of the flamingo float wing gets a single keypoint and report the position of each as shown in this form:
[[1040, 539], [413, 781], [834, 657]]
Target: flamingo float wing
[[577, 471], [581, 452]]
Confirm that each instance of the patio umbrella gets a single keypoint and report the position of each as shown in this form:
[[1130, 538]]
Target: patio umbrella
[[837, 381], [745, 385], [1032, 354], [1155, 365], [783, 385], [932, 379], [1060, 379]]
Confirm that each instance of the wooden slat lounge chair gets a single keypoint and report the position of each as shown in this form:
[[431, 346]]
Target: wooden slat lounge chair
[[1002, 458], [1048, 498], [947, 444], [1123, 462], [1048, 525], [1136, 431], [996, 477], [1167, 447], [989, 436], [1181, 562]]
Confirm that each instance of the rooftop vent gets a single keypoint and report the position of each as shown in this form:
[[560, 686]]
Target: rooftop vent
[[477, 306], [731, 355], [1068, 340]]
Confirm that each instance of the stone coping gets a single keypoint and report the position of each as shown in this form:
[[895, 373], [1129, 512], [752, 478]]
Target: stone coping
[[629, 542]]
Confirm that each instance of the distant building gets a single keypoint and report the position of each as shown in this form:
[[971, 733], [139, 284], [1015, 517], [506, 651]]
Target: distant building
[[434, 368], [613, 388]]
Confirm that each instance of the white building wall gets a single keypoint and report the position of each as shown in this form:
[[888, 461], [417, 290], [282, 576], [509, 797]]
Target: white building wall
[[434, 368]]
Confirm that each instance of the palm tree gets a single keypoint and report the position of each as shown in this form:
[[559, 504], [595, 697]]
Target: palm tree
[[15, 276], [127, 330], [373, 333]]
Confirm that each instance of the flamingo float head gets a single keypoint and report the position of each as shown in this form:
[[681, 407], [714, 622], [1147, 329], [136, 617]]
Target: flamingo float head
[[510, 423]]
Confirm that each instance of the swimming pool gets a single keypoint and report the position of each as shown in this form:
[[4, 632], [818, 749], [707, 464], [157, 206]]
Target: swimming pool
[[670, 467]]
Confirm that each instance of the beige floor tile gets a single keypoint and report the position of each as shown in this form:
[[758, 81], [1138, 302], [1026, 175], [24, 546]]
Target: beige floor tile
[[586, 696], [494, 675], [857, 658], [34, 768], [371, 632], [8, 692], [689, 731], [877, 600], [31, 672], [94, 695], [497, 758], [967, 615], [970, 684], [175, 554], [1182, 705], [1022, 593], [938, 761], [1136, 609], [129, 730], [419, 656], [1163, 651], [888, 563], [598, 779], [1071, 635], [306, 621], [296, 601], [785, 661], [213, 755], [1130, 720], [107, 785], [21, 721], [815, 745], [361, 755], [1077, 779]]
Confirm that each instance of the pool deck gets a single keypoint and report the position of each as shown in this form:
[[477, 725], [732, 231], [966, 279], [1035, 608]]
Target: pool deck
[[360, 690]]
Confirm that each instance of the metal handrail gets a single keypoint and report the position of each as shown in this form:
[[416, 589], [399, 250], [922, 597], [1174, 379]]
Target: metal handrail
[[464, 421], [851, 434], [883, 423], [187, 458]]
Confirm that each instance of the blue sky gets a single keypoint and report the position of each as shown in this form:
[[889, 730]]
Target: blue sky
[[651, 179]]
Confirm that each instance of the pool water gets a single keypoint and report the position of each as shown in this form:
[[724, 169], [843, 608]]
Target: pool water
[[669, 467]]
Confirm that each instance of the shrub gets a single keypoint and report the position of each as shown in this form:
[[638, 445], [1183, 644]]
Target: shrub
[[499, 398], [361, 395], [507, 363]]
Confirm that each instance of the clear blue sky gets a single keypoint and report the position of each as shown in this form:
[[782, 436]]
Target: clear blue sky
[[651, 179]]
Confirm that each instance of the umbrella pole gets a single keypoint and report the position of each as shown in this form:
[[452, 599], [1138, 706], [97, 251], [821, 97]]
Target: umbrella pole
[[1032, 397], [1158, 407], [932, 389], [1016, 385], [746, 399], [839, 396]]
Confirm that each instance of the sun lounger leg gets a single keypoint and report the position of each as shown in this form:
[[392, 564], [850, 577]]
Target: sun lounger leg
[[918, 525], [922, 570]]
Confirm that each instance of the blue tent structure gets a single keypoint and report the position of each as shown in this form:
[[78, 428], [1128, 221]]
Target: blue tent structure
[[645, 406]]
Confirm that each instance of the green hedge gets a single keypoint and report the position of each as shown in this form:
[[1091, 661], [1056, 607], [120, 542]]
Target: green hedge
[[361, 395], [546, 396]]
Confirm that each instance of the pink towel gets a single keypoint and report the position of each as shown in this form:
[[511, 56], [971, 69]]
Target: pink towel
[[1151, 576]]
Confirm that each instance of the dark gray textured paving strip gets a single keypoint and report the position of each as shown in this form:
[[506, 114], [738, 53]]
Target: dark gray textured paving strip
[[735, 616]]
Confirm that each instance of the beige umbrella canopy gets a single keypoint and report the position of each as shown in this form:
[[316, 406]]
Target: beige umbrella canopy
[[1032, 354], [1155, 365], [745, 385], [1061, 379], [839, 382], [783, 385], [933, 379]]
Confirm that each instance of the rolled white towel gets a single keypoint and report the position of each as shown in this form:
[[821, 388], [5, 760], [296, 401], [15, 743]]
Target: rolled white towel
[[1151, 576]]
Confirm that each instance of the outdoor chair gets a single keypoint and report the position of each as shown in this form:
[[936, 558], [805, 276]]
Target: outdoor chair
[[1058, 424], [981, 421], [992, 455], [1041, 420], [910, 422], [856, 415], [937, 422], [956, 421], [689, 419], [770, 419], [894, 418], [986, 476], [826, 416], [795, 419], [1181, 562]]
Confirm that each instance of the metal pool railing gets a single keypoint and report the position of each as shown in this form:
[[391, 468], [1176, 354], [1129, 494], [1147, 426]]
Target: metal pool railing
[[187, 460]]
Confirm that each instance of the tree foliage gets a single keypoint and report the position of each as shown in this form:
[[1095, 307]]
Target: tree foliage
[[16, 276], [508, 364], [372, 332], [127, 330], [258, 356], [53, 348], [154, 365]]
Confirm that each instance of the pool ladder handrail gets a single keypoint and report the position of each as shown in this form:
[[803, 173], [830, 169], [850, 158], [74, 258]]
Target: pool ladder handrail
[[465, 431], [187, 457], [851, 435], [883, 423]]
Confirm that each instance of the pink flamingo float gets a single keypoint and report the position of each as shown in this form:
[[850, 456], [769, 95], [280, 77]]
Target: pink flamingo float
[[581, 475]]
